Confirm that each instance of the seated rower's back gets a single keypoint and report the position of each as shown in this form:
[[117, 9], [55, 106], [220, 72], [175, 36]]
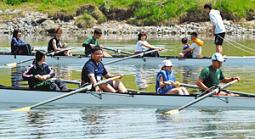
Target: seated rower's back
[[185, 54], [39, 74]]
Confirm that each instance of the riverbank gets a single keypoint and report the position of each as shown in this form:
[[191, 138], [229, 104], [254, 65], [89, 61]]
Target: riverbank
[[41, 24]]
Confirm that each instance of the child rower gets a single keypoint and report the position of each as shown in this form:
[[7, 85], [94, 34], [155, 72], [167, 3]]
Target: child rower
[[165, 81], [196, 46], [40, 75], [185, 54]]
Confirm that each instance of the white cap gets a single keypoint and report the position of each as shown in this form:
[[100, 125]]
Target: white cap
[[218, 57], [166, 63]]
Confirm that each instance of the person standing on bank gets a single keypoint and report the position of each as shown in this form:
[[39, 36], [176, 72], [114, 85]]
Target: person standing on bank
[[213, 75], [93, 71], [19, 47], [56, 46], [92, 42], [218, 26], [39, 75]]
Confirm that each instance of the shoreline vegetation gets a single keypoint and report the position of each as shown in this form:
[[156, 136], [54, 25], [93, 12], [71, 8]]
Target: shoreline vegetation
[[136, 12], [79, 17]]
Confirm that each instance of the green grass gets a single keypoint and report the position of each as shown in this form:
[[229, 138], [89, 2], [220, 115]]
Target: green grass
[[155, 12]]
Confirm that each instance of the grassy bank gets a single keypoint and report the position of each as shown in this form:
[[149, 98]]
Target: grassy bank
[[140, 12]]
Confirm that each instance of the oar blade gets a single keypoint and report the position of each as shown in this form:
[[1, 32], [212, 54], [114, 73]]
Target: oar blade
[[24, 109], [172, 112], [12, 65]]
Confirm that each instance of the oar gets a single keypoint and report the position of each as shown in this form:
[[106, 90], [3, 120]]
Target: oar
[[240, 93], [184, 84], [13, 65], [87, 87], [117, 51], [136, 55], [175, 111]]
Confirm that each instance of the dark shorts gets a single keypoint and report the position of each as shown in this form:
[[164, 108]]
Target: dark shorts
[[219, 38]]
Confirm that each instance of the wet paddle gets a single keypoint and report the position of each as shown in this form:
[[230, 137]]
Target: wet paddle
[[132, 56], [87, 87], [175, 111], [117, 51], [13, 65]]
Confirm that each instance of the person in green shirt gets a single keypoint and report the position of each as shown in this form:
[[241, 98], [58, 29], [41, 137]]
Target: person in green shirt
[[213, 75], [92, 41]]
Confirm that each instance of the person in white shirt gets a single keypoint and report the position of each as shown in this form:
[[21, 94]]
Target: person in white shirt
[[218, 26], [195, 47], [142, 46]]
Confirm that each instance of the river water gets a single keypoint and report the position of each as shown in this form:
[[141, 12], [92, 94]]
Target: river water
[[126, 121]]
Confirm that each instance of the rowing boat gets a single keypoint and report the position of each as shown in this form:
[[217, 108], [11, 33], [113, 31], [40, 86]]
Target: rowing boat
[[78, 60], [133, 98]]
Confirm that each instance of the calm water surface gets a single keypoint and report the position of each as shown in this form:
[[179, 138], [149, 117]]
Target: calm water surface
[[126, 122], [129, 122]]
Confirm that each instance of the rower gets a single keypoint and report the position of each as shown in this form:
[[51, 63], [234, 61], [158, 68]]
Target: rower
[[183, 53], [212, 75], [93, 71], [92, 42], [39, 75], [56, 46], [196, 46], [166, 82], [19, 47], [143, 46]]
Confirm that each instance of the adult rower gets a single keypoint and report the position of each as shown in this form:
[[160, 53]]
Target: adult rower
[[93, 71]]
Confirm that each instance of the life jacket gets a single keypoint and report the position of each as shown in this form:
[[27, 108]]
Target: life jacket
[[167, 76]]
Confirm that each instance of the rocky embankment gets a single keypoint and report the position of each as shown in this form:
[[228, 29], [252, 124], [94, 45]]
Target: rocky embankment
[[36, 24]]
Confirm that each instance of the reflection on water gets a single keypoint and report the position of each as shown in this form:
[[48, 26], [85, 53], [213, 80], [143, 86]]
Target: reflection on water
[[142, 76], [127, 122]]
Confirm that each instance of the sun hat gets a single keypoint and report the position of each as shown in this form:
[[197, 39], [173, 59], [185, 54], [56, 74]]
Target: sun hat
[[166, 63], [218, 57]]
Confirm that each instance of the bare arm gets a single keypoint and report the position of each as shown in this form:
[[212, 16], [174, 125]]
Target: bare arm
[[186, 50], [201, 85], [54, 44], [227, 80], [94, 81]]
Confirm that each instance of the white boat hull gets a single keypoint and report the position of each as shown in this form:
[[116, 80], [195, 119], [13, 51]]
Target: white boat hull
[[64, 60], [25, 96]]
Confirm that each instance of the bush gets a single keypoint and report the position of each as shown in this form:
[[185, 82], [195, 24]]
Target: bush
[[13, 2]]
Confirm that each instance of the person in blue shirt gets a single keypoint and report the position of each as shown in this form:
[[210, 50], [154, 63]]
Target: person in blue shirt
[[93, 71], [40, 75], [166, 82], [19, 47], [183, 53]]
